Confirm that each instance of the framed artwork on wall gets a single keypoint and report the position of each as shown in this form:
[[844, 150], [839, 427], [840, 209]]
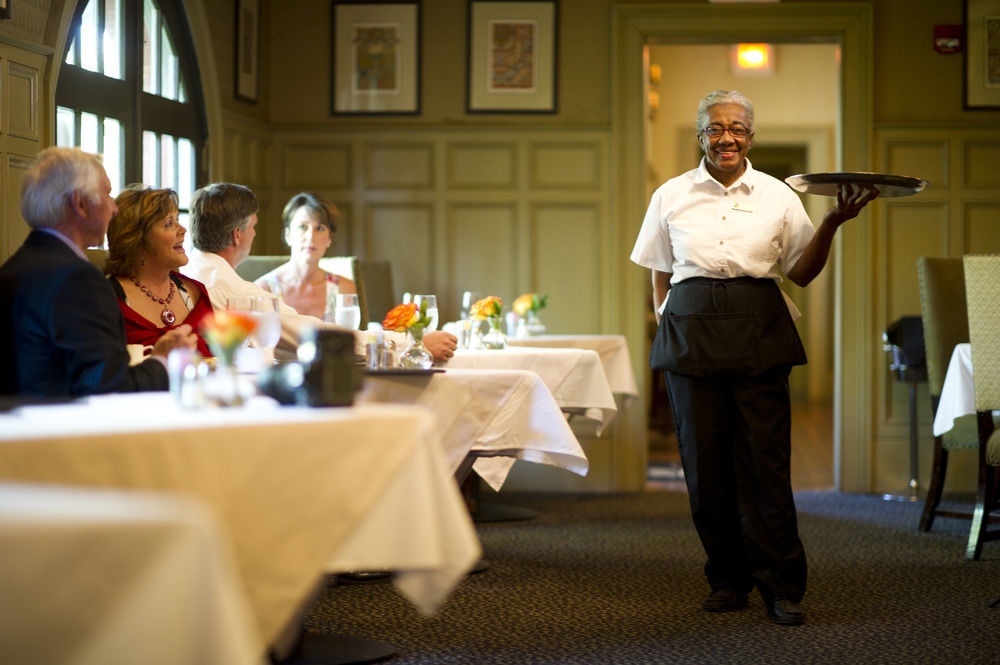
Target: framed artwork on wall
[[982, 54], [512, 56], [376, 59], [247, 49]]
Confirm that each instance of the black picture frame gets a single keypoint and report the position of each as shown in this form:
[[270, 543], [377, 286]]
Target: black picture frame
[[512, 60], [246, 79], [375, 58], [981, 75]]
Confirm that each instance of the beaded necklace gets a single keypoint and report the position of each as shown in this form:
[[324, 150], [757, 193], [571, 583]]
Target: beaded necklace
[[167, 316]]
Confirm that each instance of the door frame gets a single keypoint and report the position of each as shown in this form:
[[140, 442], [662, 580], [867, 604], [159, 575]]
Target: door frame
[[849, 24]]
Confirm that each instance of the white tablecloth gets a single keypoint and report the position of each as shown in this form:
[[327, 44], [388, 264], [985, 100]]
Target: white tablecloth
[[575, 377], [297, 491], [958, 395], [95, 577], [613, 350], [496, 416]]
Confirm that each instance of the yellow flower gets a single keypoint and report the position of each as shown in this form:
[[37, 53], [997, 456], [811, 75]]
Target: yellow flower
[[401, 317], [530, 302], [486, 308]]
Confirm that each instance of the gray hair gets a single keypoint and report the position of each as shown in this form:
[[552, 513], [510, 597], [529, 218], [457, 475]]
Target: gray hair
[[51, 180], [717, 97], [218, 209]]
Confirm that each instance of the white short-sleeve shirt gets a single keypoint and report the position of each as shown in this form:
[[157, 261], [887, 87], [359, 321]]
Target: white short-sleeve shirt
[[696, 227]]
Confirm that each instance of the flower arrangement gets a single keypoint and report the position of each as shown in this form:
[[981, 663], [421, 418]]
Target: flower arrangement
[[225, 331], [530, 302], [489, 307], [407, 317]]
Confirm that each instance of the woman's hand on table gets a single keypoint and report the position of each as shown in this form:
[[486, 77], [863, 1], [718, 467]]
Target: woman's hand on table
[[441, 344], [181, 337]]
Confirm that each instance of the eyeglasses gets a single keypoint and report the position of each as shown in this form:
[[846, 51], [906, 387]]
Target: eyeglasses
[[716, 131]]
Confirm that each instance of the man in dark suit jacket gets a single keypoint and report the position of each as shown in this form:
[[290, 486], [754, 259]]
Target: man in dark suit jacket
[[61, 329]]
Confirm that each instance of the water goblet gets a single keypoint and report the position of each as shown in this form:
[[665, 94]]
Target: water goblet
[[348, 312], [469, 299], [432, 309]]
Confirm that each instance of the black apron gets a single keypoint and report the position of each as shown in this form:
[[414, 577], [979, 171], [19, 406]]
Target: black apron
[[715, 327]]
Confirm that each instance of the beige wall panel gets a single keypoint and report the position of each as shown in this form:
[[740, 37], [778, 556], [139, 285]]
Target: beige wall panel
[[912, 230], [308, 166], [15, 229], [979, 161], [481, 253], [564, 165], [399, 165], [403, 234], [566, 265], [482, 165], [920, 159], [22, 109], [982, 228]]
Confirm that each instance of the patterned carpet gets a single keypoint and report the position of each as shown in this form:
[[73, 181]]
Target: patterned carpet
[[617, 579]]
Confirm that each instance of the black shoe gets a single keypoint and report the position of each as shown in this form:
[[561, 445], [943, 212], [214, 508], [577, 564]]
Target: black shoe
[[724, 600], [786, 612]]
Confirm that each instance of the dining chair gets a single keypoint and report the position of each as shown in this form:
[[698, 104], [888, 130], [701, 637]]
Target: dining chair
[[982, 291], [945, 322], [254, 266]]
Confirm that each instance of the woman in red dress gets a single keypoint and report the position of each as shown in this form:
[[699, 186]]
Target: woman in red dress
[[145, 249]]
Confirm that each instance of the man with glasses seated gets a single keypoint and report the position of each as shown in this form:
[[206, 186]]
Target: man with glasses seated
[[717, 240]]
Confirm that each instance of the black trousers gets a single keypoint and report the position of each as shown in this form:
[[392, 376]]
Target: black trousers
[[734, 434]]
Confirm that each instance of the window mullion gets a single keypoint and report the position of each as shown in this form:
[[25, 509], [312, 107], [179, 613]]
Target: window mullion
[[133, 77]]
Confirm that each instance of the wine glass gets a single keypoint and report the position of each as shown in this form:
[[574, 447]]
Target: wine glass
[[432, 309], [348, 312]]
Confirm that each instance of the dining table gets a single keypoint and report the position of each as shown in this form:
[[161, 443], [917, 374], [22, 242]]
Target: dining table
[[92, 576], [612, 349], [487, 418], [958, 395], [574, 376], [297, 492]]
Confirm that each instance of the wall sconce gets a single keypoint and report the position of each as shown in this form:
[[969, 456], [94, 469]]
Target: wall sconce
[[751, 59]]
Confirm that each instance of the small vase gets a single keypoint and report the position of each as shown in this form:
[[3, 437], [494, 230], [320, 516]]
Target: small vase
[[416, 355], [221, 384], [534, 326], [494, 338]]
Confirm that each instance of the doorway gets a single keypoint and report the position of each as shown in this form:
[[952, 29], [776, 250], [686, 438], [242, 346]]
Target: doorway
[[849, 29]]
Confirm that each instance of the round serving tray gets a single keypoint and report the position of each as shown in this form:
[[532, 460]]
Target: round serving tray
[[827, 184]]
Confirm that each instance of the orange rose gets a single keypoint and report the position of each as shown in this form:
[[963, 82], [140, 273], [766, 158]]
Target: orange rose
[[401, 317], [225, 330], [485, 308]]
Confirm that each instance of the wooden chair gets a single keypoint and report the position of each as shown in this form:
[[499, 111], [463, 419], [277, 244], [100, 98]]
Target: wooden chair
[[945, 322], [982, 280]]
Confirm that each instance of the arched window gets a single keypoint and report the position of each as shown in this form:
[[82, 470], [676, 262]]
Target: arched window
[[129, 90]]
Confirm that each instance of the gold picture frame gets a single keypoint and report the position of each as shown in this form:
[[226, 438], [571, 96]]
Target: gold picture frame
[[982, 54], [376, 59], [512, 56]]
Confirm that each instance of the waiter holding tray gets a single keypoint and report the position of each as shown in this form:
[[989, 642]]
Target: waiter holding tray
[[717, 240]]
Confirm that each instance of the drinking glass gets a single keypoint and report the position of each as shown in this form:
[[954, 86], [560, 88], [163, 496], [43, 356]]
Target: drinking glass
[[348, 313], [469, 299], [432, 309], [265, 335]]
